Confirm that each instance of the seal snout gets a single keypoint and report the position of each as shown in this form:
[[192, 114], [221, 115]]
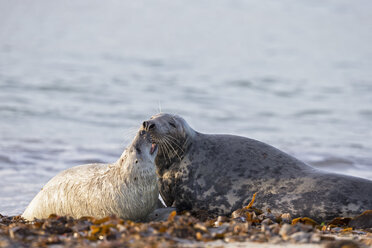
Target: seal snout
[[148, 140], [148, 125]]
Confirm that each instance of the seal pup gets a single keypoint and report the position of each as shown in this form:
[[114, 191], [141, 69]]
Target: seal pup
[[127, 188], [220, 173]]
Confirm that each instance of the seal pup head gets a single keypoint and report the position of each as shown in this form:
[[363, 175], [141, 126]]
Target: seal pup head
[[141, 153], [172, 134], [139, 187]]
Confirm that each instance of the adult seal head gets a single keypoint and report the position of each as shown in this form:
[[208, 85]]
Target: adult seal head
[[127, 188], [220, 173]]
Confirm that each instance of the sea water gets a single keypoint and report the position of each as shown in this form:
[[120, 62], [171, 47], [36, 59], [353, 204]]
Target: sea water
[[77, 78]]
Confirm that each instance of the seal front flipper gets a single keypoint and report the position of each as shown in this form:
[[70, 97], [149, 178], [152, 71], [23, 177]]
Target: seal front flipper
[[160, 214], [166, 194]]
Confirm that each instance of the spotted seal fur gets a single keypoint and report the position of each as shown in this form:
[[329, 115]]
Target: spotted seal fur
[[220, 173]]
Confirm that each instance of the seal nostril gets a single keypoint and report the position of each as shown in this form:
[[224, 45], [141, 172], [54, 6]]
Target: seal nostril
[[152, 126], [145, 124], [138, 150]]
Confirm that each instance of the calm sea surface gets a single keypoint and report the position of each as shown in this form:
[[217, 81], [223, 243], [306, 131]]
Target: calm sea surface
[[77, 78]]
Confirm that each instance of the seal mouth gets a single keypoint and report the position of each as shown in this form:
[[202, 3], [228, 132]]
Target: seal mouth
[[153, 148]]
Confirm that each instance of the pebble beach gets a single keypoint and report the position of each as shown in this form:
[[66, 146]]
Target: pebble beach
[[246, 227]]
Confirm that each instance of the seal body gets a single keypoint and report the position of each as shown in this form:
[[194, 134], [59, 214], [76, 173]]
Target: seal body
[[220, 173], [127, 188]]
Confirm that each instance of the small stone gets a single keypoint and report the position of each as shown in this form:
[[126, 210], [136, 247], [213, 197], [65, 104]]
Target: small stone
[[222, 219], [56, 246], [218, 232], [267, 221], [301, 237], [270, 216], [261, 217], [4, 242], [121, 228], [240, 220], [304, 227], [315, 238], [343, 244], [337, 229], [275, 228], [275, 240], [359, 232], [327, 238], [286, 230], [266, 215], [238, 213], [286, 218], [259, 237], [200, 227], [265, 228]]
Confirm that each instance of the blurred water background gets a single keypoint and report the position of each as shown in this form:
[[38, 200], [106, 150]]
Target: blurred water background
[[78, 77]]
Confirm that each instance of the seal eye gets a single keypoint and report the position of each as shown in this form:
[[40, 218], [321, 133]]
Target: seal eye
[[172, 124], [136, 161]]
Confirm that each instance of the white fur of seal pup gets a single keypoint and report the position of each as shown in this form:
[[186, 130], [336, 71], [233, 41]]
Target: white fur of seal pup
[[126, 188]]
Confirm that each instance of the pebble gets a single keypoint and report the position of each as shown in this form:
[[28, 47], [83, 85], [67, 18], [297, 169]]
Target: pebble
[[286, 230], [315, 238], [275, 228], [286, 218], [342, 244], [275, 240], [110, 231], [301, 237], [267, 222]]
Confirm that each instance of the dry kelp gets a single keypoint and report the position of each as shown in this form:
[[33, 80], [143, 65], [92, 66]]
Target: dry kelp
[[246, 224]]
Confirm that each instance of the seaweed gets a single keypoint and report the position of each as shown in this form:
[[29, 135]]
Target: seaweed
[[245, 224]]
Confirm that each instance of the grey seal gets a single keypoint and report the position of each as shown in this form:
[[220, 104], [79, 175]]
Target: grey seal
[[220, 173], [127, 188]]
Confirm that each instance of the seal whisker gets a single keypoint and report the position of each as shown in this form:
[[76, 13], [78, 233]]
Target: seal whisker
[[170, 145], [171, 137], [167, 144], [129, 133], [159, 106], [169, 148], [173, 141], [165, 149], [162, 148]]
